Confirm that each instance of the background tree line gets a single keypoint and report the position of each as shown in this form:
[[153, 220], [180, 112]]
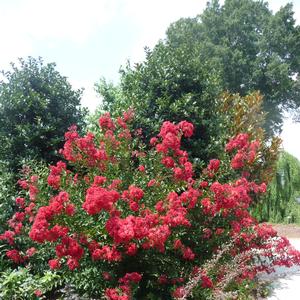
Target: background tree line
[[208, 70], [239, 47]]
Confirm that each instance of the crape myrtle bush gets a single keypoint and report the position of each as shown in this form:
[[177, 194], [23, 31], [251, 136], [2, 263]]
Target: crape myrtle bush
[[142, 218]]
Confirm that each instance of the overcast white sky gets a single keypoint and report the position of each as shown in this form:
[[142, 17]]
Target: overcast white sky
[[89, 39]]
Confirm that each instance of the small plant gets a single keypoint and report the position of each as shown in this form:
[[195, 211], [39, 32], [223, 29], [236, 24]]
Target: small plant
[[20, 284]]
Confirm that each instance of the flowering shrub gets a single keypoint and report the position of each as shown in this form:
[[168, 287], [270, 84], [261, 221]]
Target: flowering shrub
[[140, 215]]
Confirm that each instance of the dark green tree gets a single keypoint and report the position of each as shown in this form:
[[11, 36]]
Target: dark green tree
[[37, 105], [170, 85], [240, 46], [252, 48]]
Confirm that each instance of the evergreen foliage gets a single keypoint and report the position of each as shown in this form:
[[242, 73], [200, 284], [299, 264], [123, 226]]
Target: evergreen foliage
[[37, 105], [280, 203]]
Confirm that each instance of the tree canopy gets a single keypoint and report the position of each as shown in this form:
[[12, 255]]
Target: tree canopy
[[170, 85], [37, 105], [240, 46]]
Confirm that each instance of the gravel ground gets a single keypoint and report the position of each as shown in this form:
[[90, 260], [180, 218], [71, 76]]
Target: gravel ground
[[289, 230]]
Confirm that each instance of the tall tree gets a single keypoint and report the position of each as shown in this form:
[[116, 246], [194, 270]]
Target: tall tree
[[37, 105], [170, 85], [240, 46], [252, 49]]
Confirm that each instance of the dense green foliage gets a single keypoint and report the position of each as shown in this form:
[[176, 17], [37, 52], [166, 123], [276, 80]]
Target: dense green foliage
[[240, 47], [280, 203], [171, 85], [7, 194], [251, 49], [37, 105], [19, 284]]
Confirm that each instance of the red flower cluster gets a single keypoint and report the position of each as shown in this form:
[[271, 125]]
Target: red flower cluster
[[40, 231], [15, 256], [8, 236], [69, 248], [106, 253], [124, 291], [187, 252], [106, 122], [133, 195], [171, 134], [98, 199], [246, 153], [55, 174]]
